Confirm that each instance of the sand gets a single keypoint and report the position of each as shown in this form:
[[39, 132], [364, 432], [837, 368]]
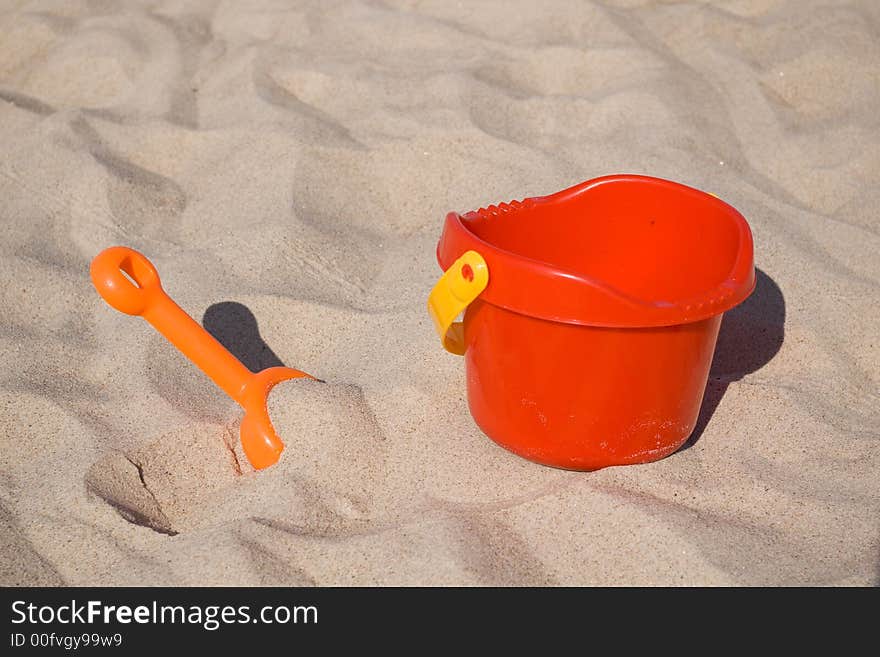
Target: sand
[[287, 168]]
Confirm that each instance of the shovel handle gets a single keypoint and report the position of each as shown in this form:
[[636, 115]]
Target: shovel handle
[[129, 282]]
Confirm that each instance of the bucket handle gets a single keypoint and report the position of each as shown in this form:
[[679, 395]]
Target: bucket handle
[[463, 282]]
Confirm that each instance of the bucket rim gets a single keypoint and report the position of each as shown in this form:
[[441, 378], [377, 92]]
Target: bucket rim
[[574, 298]]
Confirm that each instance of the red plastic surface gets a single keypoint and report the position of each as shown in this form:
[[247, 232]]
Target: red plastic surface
[[614, 251], [591, 344]]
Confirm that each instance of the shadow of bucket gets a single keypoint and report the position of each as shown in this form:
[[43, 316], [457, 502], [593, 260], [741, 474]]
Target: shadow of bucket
[[591, 315], [751, 335]]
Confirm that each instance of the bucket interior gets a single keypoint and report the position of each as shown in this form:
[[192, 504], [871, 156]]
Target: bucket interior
[[651, 241]]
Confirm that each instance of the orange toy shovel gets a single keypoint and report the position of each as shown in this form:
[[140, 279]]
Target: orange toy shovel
[[130, 283]]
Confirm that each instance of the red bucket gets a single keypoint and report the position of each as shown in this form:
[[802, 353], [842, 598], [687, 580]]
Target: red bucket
[[591, 315]]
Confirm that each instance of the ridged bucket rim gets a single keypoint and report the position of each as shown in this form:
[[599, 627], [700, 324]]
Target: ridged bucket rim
[[573, 298]]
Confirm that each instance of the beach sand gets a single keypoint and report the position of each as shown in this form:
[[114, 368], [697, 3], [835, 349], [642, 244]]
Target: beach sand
[[287, 168]]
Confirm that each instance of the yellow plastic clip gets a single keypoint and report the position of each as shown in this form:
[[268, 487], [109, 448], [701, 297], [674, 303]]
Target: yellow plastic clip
[[460, 284]]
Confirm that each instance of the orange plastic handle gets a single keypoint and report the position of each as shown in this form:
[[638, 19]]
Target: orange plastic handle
[[130, 283]]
